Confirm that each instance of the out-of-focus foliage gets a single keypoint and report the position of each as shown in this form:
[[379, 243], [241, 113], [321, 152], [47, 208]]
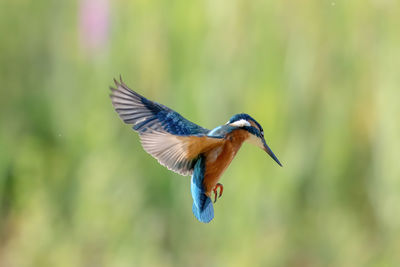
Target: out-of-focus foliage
[[322, 77]]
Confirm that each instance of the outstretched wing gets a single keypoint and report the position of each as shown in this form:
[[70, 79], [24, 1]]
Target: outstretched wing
[[173, 140], [147, 115]]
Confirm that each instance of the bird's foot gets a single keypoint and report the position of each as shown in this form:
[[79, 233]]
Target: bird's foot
[[215, 190]]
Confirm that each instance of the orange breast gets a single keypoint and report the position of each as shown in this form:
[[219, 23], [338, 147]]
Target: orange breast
[[219, 158]]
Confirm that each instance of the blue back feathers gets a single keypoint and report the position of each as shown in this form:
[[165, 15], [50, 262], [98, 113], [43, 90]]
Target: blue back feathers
[[221, 131], [202, 205]]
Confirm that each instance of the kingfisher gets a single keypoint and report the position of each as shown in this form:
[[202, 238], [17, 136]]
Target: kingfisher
[[185, 147]]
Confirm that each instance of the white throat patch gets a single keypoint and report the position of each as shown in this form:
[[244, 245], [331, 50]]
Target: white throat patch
[[240, 123]]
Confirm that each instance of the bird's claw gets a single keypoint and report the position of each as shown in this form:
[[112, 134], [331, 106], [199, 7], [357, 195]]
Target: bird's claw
[[215, 190]]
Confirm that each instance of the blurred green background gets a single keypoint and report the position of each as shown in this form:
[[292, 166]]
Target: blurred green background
[[322, 77]]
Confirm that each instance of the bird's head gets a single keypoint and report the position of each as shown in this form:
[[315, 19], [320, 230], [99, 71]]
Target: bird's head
[[256, 137]]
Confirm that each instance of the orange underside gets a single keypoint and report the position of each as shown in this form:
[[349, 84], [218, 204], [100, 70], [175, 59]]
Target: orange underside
[[219, 154], [219, 158]]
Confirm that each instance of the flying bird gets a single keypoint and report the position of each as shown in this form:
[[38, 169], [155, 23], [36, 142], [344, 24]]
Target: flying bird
[[185, 147]]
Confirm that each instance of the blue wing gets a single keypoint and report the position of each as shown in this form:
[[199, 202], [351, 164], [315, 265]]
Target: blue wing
[[147, 115], [173, 140], [202, 205]]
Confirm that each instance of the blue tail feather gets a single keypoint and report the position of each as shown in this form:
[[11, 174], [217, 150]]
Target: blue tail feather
[[202, 205], [206, 214]]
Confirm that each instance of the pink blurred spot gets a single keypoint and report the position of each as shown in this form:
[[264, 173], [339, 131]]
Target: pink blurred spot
[[93, 23]]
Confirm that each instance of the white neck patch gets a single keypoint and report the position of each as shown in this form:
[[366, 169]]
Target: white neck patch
[[240, 123]]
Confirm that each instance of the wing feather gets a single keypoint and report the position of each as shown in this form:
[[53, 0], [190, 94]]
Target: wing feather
[[141, 113], [177, 153]]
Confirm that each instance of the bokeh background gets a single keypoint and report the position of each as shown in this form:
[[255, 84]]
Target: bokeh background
[[322, 77]]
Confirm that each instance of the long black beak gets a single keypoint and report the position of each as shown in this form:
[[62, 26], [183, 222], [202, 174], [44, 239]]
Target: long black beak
[[269, 151]]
